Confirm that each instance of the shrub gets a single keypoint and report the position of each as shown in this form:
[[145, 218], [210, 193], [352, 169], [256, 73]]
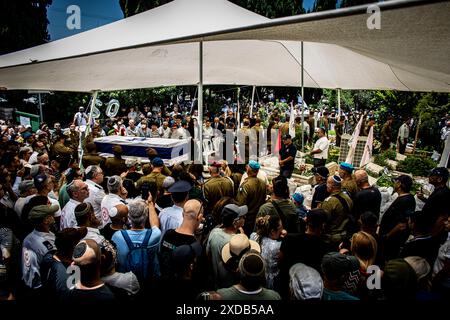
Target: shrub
[[417, 166]]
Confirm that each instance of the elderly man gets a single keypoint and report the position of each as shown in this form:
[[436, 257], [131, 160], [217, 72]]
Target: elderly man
[[94, 179], [164, 130], [139, 213], [78, 192], [114, 205]]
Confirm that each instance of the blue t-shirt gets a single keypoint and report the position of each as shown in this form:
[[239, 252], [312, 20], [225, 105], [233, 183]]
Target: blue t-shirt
[[136, 236]]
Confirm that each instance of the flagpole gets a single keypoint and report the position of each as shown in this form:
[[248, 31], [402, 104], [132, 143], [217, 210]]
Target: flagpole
[[303, 99], [200, 101], [253, 99]]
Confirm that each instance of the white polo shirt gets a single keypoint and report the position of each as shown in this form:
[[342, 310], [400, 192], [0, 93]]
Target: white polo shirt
[[68, 219], [323, 145], [108, 205], [96, 195]]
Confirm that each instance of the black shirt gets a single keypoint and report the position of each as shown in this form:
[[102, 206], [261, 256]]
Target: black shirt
[[367, 200], [286, 152], [303, 248], [101, 294], [398, 212], [438, 202], [169, 242], [320, 194]]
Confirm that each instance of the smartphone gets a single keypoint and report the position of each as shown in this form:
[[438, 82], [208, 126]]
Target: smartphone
[[145, 189]]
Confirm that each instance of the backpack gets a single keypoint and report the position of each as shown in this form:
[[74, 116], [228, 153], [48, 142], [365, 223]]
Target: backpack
[[141, 260]]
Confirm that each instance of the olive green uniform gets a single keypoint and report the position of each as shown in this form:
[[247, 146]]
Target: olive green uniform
[[289, 218], [115, 166], [350, 186], [156, 177], [253, 194], [386, 136], [216, 188], [337, 218], [93, 159]]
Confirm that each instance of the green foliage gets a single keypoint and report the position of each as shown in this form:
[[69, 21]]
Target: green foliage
[[385, 181], [390, 154], [321, 5], [132, 7], [23, 24], [272, 8], [417, 166], [333, 154], [381, 160]]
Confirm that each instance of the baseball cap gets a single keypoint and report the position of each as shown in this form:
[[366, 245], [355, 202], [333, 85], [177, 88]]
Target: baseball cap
[[180, 186], [335, 264], [184, 255], [26, 185], [321, 171], [42, 211], [305, 282], [440, 172], [347, 167], [286, 136], [420, 266], [232, 211], [254, 165], [237, 246], [157, 162], [130, 162]]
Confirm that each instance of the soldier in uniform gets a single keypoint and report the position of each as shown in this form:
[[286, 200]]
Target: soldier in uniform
[[216, 187], [91, 157], [62, 152], [74, 139], [339, 129], [338, 207], [386, 134], [115, 166], [348, 181], [155, 176], [253, 194]]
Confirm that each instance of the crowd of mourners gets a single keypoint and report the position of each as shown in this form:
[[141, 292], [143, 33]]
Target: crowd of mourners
[[90, 228]]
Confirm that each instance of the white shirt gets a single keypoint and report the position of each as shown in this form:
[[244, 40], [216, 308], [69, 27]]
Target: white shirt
[[170, 218], [403, 132], [96, 195], [164, 133], [109, 203], [323, 145], [68, 219], [207, 132], [94, 234]]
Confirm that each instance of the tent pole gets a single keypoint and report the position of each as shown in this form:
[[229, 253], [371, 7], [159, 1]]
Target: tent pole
[[40, 107], [88, 127], [417, 134], [339, 102], [238, 116], [200, 101], [253, 99], [303, 98]]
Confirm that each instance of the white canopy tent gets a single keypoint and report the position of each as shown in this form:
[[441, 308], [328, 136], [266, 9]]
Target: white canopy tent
[[160, 47]]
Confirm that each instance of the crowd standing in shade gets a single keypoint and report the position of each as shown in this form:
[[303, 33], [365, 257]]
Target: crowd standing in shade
[[220, 232]]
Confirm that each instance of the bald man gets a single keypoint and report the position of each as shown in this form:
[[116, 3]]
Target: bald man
[[173, 238], [368, 198]]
